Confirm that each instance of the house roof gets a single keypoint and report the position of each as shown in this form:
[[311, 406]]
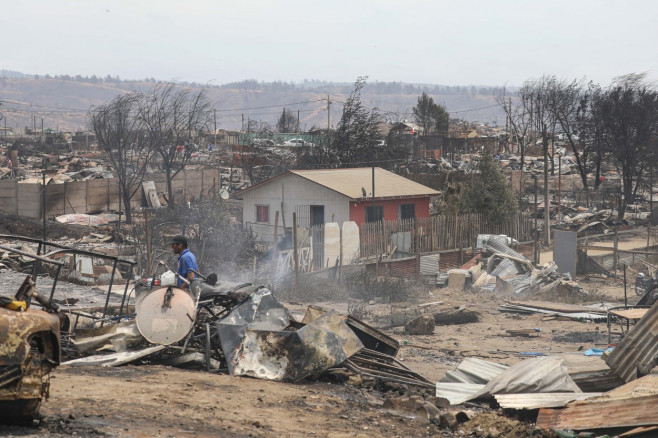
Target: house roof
[[349, 182]]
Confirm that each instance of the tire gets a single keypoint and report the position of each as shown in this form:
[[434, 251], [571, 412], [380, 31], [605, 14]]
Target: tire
[[19, 411]]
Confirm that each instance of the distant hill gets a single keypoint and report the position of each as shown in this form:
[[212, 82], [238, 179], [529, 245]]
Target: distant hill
[[63, 101]]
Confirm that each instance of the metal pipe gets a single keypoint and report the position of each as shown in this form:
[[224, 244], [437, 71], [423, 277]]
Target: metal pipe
[[125, 291], [36, 265], [30, 255], [109, 289], [52, 291]]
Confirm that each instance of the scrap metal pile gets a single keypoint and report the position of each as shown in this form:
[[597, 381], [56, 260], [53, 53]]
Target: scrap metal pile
[[245, 331], [615, 391], [502, 270]]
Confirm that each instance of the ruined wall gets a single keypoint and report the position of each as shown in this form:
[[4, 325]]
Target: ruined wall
[[96, 195]]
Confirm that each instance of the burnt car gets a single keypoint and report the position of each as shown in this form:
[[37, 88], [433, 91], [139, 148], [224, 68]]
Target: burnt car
[[29, 350]]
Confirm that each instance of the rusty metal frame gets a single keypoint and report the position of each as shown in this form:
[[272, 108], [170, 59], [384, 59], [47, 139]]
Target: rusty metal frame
[[610, 317], [63, 249]]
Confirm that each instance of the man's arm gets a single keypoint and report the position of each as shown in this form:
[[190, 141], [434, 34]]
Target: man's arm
[[190, 275]]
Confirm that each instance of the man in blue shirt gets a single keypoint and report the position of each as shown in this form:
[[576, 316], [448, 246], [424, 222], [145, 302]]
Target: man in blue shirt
[[186, 260]]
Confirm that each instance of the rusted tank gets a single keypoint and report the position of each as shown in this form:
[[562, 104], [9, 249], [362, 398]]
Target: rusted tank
[[29, 350]]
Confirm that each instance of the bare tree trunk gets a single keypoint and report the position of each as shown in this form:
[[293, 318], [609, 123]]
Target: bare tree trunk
[[170, 190], [597, 178], [127, 209]]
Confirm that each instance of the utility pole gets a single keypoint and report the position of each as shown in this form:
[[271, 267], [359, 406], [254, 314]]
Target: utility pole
[[328, 113], [509, 108], [509, 120], [547, 203], [650, 204], [536, 233], [215, 119], [297, 123], [559, 189], [43, 203]]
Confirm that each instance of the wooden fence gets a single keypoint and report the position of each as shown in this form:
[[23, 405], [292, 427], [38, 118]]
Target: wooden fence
[[437, 233]]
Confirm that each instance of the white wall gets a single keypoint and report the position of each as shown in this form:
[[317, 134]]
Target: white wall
[[294, 190]]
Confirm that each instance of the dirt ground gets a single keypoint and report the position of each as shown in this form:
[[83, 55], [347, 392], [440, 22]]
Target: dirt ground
[[153, 400]]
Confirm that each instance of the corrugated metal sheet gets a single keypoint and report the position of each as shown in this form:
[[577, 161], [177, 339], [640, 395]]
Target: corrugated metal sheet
[[499, 246], [546, 374], [559, 307], [457, 393], [639, 348], [541, 374], [474, 370], [429, 264], [350, 181], [507, 267], [537, 401], [533, 309], [628, 412]]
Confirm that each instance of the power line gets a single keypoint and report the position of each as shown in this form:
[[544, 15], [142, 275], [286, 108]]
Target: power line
[[44, 106], [319, 110], [472, 109], [271, 106]]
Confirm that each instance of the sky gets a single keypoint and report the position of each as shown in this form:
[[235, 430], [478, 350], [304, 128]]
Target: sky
[[456, 42]]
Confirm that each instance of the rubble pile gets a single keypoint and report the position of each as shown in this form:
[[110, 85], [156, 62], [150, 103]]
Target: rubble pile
[[243, 330], [502, 270]]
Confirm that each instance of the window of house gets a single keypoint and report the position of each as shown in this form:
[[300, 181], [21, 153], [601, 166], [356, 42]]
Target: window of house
[[407, 211], [263, 213], [374, 214]]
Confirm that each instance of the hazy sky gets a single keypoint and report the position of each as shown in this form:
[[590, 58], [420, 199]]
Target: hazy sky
[[457, 42]]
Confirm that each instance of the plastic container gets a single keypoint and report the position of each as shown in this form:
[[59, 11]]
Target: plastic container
[[168, 279]]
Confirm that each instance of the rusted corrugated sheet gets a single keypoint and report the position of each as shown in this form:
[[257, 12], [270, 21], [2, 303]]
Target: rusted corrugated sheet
[[638, 349], [406, 267], [629, 412]]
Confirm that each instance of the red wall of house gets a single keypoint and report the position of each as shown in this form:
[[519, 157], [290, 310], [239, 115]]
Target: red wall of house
[[358, 208]]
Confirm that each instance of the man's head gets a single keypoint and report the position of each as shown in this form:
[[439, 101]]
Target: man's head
[[178, 243]]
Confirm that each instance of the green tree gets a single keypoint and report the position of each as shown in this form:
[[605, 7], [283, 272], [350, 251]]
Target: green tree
[[357, 133], [287, 122], [489, 193], [430, 115]]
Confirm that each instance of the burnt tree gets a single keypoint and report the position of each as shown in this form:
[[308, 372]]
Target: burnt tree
[[174, 118], [120, 135]]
